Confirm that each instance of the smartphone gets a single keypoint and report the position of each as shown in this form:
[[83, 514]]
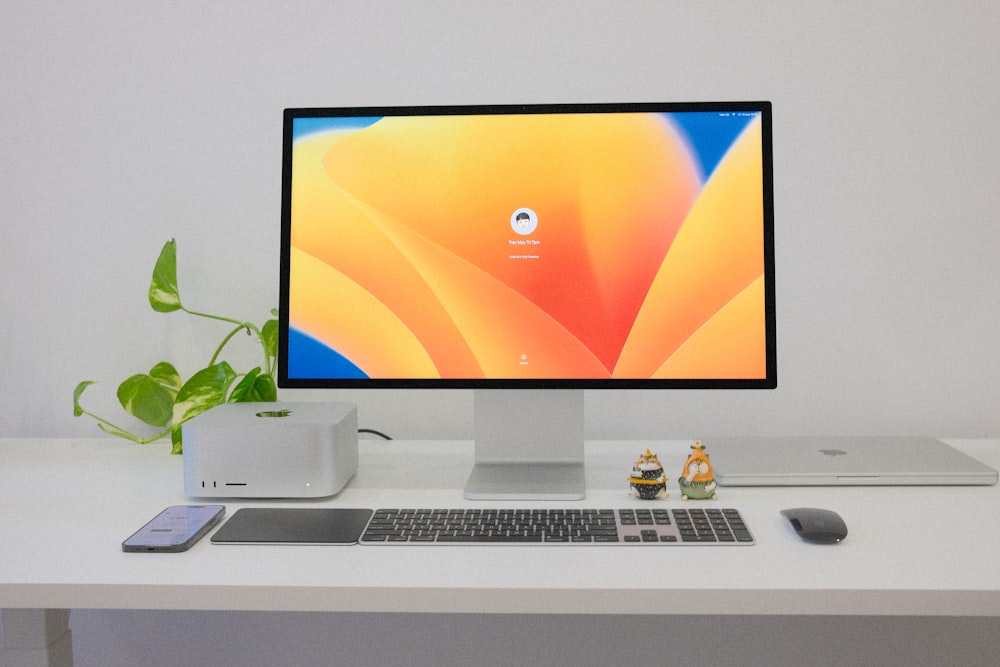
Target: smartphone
[[175, 529]]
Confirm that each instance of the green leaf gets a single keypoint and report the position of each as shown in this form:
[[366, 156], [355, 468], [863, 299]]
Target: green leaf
[[176, 442], [146, 399], [77, 393], [264, 389], [203, 391], [241, 392], [269, 338], [255, 387], [163, 294], [167, 375]]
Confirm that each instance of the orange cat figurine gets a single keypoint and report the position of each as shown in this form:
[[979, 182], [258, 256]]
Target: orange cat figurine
[[697, 481]]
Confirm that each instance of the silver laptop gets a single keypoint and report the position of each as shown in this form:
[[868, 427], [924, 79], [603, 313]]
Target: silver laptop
[[843, 461]]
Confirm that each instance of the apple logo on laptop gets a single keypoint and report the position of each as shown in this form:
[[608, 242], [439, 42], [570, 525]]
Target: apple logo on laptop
[[833, 452]]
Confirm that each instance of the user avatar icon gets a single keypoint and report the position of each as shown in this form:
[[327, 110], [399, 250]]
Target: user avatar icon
[[523, 221]]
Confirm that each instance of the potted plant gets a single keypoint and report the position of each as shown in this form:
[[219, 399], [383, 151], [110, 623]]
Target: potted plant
[[161, 398]]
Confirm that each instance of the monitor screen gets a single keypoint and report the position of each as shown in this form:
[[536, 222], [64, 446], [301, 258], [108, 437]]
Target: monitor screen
[[537, 246]]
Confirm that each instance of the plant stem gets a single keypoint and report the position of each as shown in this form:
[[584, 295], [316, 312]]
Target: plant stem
[[217, 317], [240, 326], [114, 429]]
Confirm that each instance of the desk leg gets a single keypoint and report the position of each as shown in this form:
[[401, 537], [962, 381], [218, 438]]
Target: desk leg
[[36, 638]]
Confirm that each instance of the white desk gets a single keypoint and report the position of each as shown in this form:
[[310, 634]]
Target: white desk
[[68, 504]]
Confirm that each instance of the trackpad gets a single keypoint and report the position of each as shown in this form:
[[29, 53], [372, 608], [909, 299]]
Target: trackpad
[[283, 525]]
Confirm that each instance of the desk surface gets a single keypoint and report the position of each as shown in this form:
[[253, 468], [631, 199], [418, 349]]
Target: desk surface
[[66, 506]]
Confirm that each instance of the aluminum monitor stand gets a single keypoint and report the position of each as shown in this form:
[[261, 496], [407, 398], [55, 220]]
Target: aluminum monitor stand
[[529, 445]]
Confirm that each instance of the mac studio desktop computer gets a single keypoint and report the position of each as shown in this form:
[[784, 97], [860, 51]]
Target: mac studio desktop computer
[[529, 253]]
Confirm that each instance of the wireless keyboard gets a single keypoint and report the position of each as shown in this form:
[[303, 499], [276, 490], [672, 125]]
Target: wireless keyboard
[[660, 526]]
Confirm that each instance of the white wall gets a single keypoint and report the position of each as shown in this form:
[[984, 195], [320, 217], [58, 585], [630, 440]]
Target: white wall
[[125, 124]]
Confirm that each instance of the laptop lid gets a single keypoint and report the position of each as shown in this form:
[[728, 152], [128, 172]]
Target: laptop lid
[[843, 461]]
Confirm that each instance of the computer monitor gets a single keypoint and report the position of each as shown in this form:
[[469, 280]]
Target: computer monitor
[[528, 252]]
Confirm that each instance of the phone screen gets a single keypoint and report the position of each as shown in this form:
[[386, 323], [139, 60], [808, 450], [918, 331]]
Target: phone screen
[[174, 529]]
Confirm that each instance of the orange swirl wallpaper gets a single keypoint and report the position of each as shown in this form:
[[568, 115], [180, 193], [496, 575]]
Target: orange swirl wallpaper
[[526, 246]]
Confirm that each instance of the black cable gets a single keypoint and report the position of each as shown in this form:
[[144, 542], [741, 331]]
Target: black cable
[[374, 432]]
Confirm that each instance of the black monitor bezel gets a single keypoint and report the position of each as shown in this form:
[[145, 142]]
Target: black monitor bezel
[[769, 381]]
